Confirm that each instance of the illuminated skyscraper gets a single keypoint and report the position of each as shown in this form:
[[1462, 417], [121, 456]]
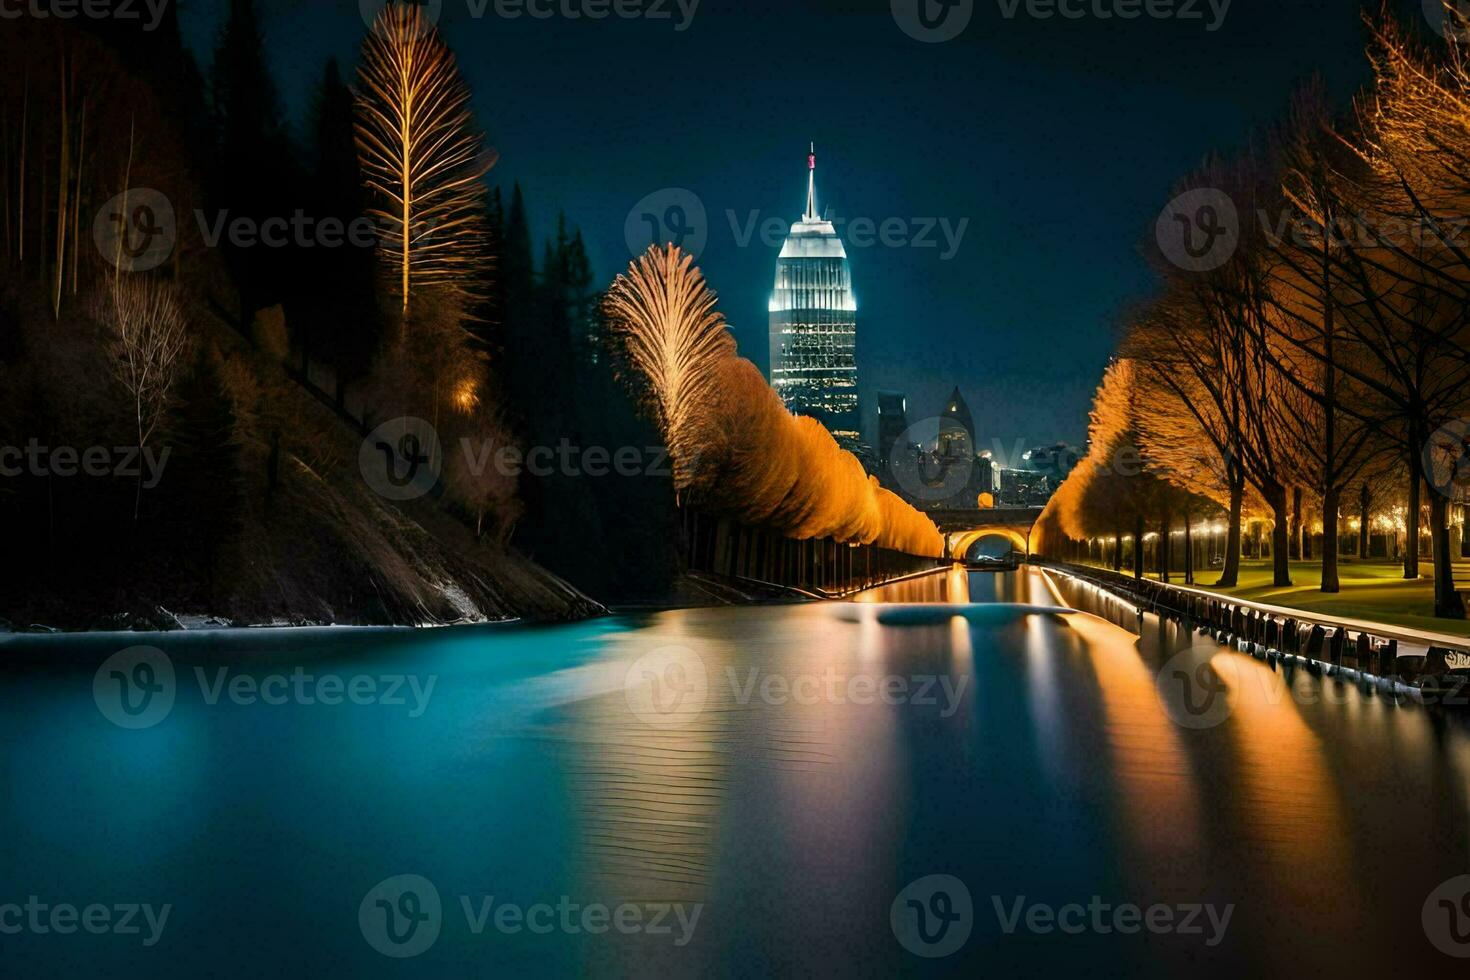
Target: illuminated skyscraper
[[814, 324]]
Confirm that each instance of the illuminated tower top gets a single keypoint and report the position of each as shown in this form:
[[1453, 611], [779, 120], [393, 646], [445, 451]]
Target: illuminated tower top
[[814, 322], [811, 184]]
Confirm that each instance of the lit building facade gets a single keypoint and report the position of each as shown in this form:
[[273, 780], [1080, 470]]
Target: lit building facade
[[814, 324]]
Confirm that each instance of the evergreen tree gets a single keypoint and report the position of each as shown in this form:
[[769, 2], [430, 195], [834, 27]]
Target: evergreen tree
[[252, 166], [338, 301], [202, 487]]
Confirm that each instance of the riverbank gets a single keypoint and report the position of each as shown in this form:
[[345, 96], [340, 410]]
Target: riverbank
[[1371, 590]]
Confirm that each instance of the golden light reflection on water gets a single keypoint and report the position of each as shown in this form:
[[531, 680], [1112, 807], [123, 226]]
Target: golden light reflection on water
[[648, 796], [1159, 796], [1296, 814]]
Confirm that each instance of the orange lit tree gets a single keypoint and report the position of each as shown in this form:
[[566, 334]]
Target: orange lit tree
[[423, 160]]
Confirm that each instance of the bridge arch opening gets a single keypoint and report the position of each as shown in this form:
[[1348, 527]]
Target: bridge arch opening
[[985, 540]]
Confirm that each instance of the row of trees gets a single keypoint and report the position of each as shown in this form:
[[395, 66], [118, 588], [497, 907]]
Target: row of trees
[[1329, 352], [737, 449]]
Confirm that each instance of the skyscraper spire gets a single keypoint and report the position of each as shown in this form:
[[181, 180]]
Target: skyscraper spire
[[811, 184]]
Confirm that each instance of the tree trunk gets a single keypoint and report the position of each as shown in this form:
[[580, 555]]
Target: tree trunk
[[1138, 546], [1117, 549], [1230, 571], [1166, 545], [1447, 602], [1330, 507], [1411, 524], [1188, 549], [1363, 540], [1280, 533], [1297, 524]]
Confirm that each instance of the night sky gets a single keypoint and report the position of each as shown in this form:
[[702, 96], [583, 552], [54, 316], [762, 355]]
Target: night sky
[[1058, 140]]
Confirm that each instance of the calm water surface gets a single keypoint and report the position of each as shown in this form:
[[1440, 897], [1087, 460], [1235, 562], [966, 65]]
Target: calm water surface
[[773, 778]]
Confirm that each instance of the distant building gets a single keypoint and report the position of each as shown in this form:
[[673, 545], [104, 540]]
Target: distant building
[[893, 427], [956, 429], [813, 324], [1056, 461], [1023, 488]]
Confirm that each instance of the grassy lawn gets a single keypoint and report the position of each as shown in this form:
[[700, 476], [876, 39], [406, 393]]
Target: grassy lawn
[[1373, 590]]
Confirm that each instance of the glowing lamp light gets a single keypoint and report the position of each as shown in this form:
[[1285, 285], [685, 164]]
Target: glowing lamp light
[[466, 396]]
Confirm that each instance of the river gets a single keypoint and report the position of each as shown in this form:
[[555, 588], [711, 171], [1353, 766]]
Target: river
[[746, 791]]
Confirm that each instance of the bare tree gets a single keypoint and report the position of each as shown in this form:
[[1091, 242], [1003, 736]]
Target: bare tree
[[148, 344]]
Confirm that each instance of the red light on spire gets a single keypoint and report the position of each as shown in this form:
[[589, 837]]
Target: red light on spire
[[811, 158]]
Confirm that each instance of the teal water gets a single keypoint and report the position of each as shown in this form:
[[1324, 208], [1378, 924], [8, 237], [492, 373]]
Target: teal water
[[751, 789]]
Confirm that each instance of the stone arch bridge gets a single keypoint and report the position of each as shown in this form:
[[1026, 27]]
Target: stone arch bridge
[[963, 529]]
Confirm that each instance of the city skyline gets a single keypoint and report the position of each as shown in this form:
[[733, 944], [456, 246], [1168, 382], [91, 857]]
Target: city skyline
[[1034, 201]]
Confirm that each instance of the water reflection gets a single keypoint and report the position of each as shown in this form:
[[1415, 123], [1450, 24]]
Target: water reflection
[[970, 724]]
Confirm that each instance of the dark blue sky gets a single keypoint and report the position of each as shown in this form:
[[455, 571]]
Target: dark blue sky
[[1058, 140]]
